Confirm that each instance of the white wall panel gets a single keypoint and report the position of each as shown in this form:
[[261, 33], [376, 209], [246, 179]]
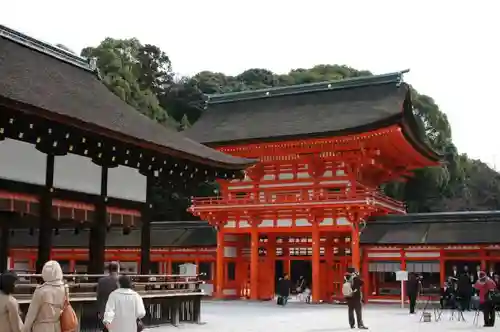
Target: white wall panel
[[126, 183], [20, 161], [77, 173]]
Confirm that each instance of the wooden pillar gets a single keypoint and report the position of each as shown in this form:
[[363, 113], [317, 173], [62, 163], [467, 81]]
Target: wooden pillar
[[316, 276], [97, 238], [4, 245], [271, 256], [402, 255], [355, 250], [365, 275], [219, 264], [254, 262], [241, 267], [169, 266], [442, 268], [329, 266], [146, 216], [286, 255], [483, 258], [45, 217]]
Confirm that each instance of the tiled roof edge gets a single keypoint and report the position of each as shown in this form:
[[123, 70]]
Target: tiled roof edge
[[48, 49], [396, 78]]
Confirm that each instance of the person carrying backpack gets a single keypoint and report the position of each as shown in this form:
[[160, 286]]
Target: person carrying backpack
[[351, 290]]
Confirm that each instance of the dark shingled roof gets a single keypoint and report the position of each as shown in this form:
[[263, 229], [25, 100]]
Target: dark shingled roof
[[324, 109], [60, 84], [161, 236], [420, 228], [434, 228]]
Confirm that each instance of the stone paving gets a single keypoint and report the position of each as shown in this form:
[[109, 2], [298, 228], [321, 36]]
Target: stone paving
[[241, 316]]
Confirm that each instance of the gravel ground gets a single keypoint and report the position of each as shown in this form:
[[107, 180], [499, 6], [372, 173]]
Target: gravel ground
[[241, 316]]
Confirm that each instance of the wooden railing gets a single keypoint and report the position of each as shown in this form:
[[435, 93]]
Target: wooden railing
[[169, 299], [367, 196]]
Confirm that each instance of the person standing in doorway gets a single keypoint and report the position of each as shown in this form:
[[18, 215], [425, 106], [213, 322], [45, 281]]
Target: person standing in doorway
[[412, 289], [106, 286], [352, 292]]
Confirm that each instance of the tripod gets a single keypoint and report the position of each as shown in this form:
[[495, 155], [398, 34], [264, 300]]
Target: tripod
[[457, 311], [436, 309]]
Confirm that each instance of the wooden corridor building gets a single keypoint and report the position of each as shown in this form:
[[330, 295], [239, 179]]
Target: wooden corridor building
[[73, 154], [428, 244]]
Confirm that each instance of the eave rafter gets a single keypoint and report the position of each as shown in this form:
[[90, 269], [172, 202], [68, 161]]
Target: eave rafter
[[332, 145], [59, 140]]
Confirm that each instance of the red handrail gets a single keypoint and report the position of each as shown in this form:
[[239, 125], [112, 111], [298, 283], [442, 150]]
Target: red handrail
[[360, 194]]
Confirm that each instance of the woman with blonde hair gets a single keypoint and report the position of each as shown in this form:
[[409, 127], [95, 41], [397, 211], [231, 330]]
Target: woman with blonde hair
[[48, 301]]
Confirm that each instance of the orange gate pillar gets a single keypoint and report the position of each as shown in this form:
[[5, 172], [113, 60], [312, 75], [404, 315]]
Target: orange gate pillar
[[355, 252], [219, 265], [254, 263], [271, 257], [316, 276]]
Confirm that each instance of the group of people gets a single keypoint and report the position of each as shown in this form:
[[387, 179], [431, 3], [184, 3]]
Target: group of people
[[462, 287], [351, 290], [120, 309], [284, 289]]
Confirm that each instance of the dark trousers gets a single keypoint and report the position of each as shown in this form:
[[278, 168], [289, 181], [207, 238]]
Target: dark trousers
[[354, 306], [488, 313], [413, 301], [464, 302]]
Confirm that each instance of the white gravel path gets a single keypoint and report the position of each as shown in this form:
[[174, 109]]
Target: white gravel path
[[241, 316]]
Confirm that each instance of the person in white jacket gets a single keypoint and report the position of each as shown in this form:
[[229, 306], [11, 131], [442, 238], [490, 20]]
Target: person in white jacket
[[124, 308]]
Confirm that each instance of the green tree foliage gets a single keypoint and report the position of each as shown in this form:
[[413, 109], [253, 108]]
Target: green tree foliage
[[136, 73], [142, 76]]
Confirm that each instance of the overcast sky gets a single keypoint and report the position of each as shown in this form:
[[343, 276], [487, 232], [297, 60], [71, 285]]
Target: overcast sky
[[451, 47]]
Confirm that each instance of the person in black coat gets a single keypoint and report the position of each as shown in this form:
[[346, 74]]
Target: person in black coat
[[412, 289], [464, 291], [105, 286], [354, 300], [284, 286], [446, 299]]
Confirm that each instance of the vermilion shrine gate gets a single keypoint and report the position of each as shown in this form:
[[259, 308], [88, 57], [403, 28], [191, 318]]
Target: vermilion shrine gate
[[324, 150]]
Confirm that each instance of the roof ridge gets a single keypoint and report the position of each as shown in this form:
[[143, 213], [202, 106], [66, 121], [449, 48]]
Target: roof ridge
[[353, 82], [48, 49]]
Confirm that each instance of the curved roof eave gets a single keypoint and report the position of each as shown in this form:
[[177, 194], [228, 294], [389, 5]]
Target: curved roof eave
[[412, 133]]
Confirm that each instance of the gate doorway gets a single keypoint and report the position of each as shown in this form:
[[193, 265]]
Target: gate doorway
[[278, 272], [300, 268]]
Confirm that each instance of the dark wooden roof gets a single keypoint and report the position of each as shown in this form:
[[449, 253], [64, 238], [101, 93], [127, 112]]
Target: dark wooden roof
[[312, 110], [64, 88], [172, 236], [434, 228], [412, 229]]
